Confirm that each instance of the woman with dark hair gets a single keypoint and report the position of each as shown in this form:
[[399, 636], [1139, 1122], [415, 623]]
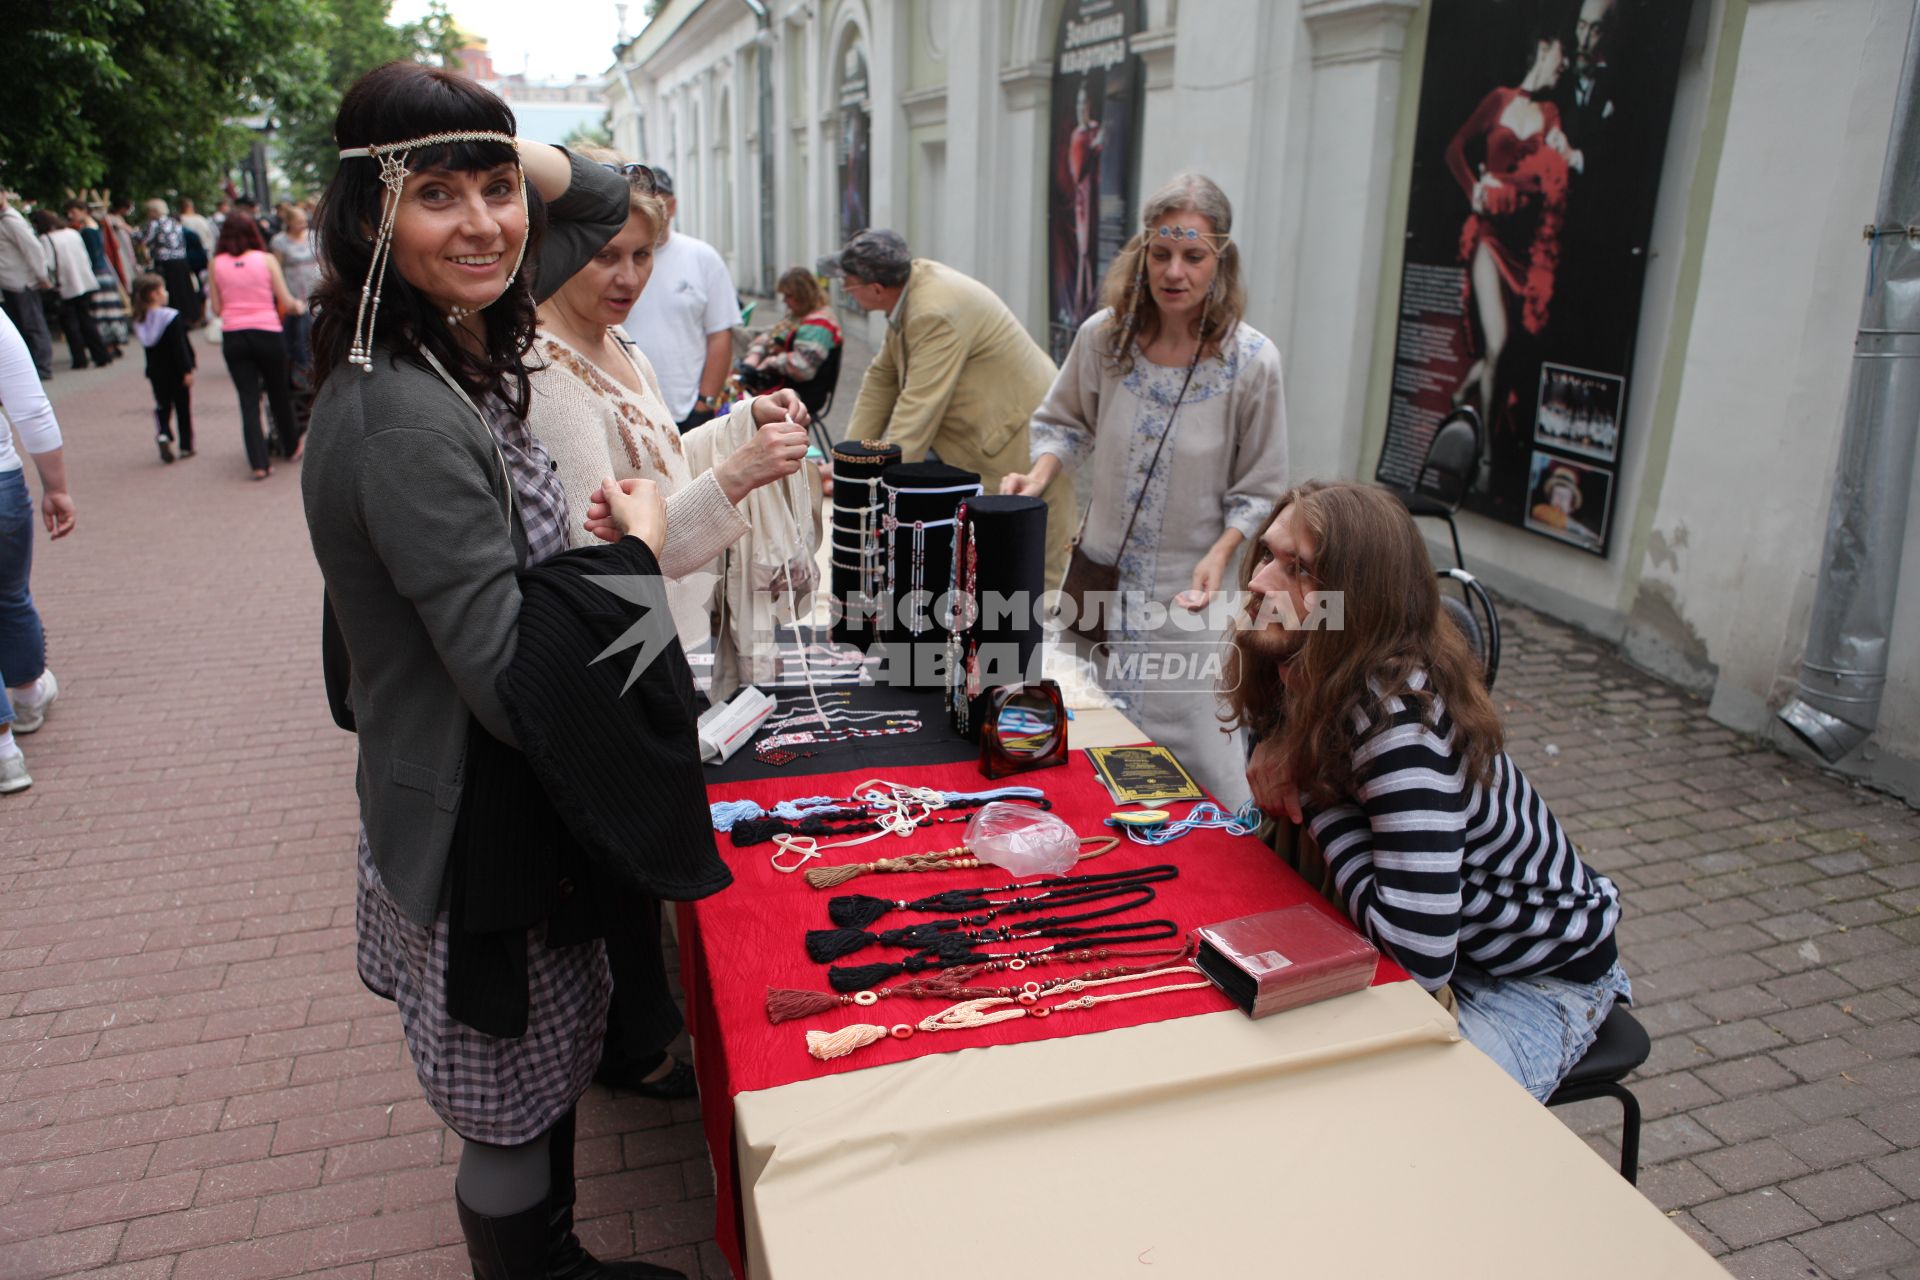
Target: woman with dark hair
[[109, 303], [73, 280], [430, 504], [247, 291], [1171, 407]]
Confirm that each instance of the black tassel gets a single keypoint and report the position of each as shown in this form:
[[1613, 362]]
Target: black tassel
[[827, 945], [861, 976], [752, 831], [857, 910]]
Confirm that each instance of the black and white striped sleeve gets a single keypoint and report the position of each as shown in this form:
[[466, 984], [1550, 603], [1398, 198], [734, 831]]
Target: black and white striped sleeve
[[1395, 851]]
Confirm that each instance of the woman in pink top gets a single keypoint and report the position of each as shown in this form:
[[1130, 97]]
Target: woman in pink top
[[248, 293]]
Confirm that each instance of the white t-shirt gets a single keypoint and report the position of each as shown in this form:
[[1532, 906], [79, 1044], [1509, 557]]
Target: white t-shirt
[[688, 297], [23, 401]]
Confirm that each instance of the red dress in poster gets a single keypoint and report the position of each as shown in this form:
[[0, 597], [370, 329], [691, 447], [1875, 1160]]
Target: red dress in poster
[[1083, 171], [1518, 197]]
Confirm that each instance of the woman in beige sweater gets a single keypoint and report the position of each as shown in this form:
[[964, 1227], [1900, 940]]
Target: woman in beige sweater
[[598, 411], [596, 407]]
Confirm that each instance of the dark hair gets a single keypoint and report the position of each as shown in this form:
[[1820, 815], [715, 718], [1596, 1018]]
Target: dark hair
[[1367, 548], [393, 103], [44, 222], [239, 234], [76, 203]]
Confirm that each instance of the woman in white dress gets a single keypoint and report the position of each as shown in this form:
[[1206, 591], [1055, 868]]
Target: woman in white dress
[[1169, 335]]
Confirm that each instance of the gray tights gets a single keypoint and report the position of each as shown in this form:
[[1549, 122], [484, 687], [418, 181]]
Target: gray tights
[[498, 1181]]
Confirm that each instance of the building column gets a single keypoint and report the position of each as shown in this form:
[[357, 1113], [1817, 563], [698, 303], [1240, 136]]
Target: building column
[[1354, 102]]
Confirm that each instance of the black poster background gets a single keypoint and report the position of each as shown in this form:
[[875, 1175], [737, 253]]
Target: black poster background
[[1580, 259], [854, 146], [1090, 171]]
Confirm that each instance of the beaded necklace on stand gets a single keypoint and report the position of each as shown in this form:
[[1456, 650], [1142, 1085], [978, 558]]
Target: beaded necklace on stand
[[987, 1010], [963, 645], [785, 1004]]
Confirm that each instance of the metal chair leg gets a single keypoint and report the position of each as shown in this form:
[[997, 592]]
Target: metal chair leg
[[1629, 1130], [1459, 561]]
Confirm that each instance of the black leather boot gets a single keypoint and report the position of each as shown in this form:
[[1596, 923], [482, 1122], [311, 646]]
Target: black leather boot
[[513, 1247], [567, 1258]]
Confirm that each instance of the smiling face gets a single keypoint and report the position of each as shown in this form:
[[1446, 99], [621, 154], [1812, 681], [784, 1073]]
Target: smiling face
[[604, 291], [457, 235], [1180, 270]]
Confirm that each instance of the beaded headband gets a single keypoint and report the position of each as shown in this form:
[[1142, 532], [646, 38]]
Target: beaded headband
[[393, 176]]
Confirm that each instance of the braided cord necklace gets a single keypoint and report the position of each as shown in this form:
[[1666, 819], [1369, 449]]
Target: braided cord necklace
[[965, 951], [858, 910], [957, 936], [987, 1010]]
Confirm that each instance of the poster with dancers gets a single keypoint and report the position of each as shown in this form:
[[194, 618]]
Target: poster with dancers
[[1093, 153], [1536, 168], [855, 127]]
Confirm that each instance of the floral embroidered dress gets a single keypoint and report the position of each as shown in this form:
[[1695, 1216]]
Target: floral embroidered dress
[[1224, 466]]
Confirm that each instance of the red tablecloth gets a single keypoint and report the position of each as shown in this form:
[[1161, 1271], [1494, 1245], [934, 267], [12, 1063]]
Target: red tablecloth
[[737, 944]]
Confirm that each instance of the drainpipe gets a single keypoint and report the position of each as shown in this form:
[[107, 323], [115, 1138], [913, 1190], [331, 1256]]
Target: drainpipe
[[1844, 671], [763, 65]]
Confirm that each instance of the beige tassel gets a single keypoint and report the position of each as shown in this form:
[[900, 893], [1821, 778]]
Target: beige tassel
[[838, 1044]]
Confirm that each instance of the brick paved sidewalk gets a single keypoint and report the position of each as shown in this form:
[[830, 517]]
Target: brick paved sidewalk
[[193, 1083]]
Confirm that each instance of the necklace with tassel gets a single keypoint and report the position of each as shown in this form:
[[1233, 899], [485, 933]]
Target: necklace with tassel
[[826, 945], [785, 1004], [860, 976], [958, 858], [858, 910], [984, 1012]]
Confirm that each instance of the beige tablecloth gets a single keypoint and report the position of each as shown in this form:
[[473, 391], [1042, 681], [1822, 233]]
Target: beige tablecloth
[[1357, 1137]]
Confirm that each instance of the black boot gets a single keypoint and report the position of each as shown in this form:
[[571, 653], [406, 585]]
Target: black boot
[[513, 1247], [567, 1258]]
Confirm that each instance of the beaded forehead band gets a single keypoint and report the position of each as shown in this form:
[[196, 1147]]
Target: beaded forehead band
[[1216, 242], [393, 176]]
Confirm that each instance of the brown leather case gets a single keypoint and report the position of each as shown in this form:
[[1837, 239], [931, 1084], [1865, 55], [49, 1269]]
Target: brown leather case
[[1282, 959]]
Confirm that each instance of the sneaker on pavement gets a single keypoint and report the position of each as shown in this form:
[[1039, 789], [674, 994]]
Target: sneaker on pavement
[[13, 774], [166, 448], [27, 719]]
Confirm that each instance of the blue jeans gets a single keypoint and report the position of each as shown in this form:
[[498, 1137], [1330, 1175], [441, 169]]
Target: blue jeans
[[23, 645], [1535, 1028]]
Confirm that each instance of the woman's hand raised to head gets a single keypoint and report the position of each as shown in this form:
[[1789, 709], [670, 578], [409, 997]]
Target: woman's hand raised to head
[[622, 507], [774, 453]]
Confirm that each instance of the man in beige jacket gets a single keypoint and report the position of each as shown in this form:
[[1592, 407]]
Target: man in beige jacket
[[956, 373]]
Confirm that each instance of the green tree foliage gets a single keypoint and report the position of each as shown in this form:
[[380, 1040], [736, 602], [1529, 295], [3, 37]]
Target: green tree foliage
[[153, 97], [358, 38], [593, 133], [145, 96]]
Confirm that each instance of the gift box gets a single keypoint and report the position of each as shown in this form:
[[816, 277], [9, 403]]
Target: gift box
[[1282, 959]]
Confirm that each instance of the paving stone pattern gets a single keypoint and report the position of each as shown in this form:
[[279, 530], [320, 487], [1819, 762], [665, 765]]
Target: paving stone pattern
[[194, 1084]]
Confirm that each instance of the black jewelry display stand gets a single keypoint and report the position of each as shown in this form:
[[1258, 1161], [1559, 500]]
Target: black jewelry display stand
[[859, 550], [921, 498], [1001, 640]]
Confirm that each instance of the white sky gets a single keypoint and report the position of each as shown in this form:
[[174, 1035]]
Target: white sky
[[559, 39]]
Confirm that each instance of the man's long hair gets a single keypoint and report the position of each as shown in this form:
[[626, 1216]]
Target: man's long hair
[[1366, 547]]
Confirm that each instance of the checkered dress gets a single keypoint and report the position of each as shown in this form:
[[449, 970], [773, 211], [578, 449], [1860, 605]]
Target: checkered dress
[[489, 1089]]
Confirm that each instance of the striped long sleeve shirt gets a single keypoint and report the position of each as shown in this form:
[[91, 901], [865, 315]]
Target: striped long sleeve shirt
[[1438, 871]]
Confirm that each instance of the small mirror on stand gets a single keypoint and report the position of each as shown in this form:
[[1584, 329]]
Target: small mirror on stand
[[1026, 728]]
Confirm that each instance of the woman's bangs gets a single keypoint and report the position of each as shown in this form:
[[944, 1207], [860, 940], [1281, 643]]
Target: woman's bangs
[[462, 157]]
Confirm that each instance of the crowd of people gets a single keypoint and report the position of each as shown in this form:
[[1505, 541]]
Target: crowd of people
[[525, 376]]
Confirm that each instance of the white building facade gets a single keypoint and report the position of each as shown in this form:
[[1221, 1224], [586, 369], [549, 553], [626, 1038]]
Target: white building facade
[[1304, 111]]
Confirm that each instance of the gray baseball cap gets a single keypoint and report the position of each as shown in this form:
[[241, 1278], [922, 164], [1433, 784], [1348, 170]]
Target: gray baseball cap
[[875, 255]]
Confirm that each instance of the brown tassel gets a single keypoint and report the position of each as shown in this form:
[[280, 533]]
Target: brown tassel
[[785, 1004]]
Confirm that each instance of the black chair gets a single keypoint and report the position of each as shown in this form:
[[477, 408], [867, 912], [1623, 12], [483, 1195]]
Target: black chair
[[1447, 472], [1620, 1048], [817, 394], [1474, 615]]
